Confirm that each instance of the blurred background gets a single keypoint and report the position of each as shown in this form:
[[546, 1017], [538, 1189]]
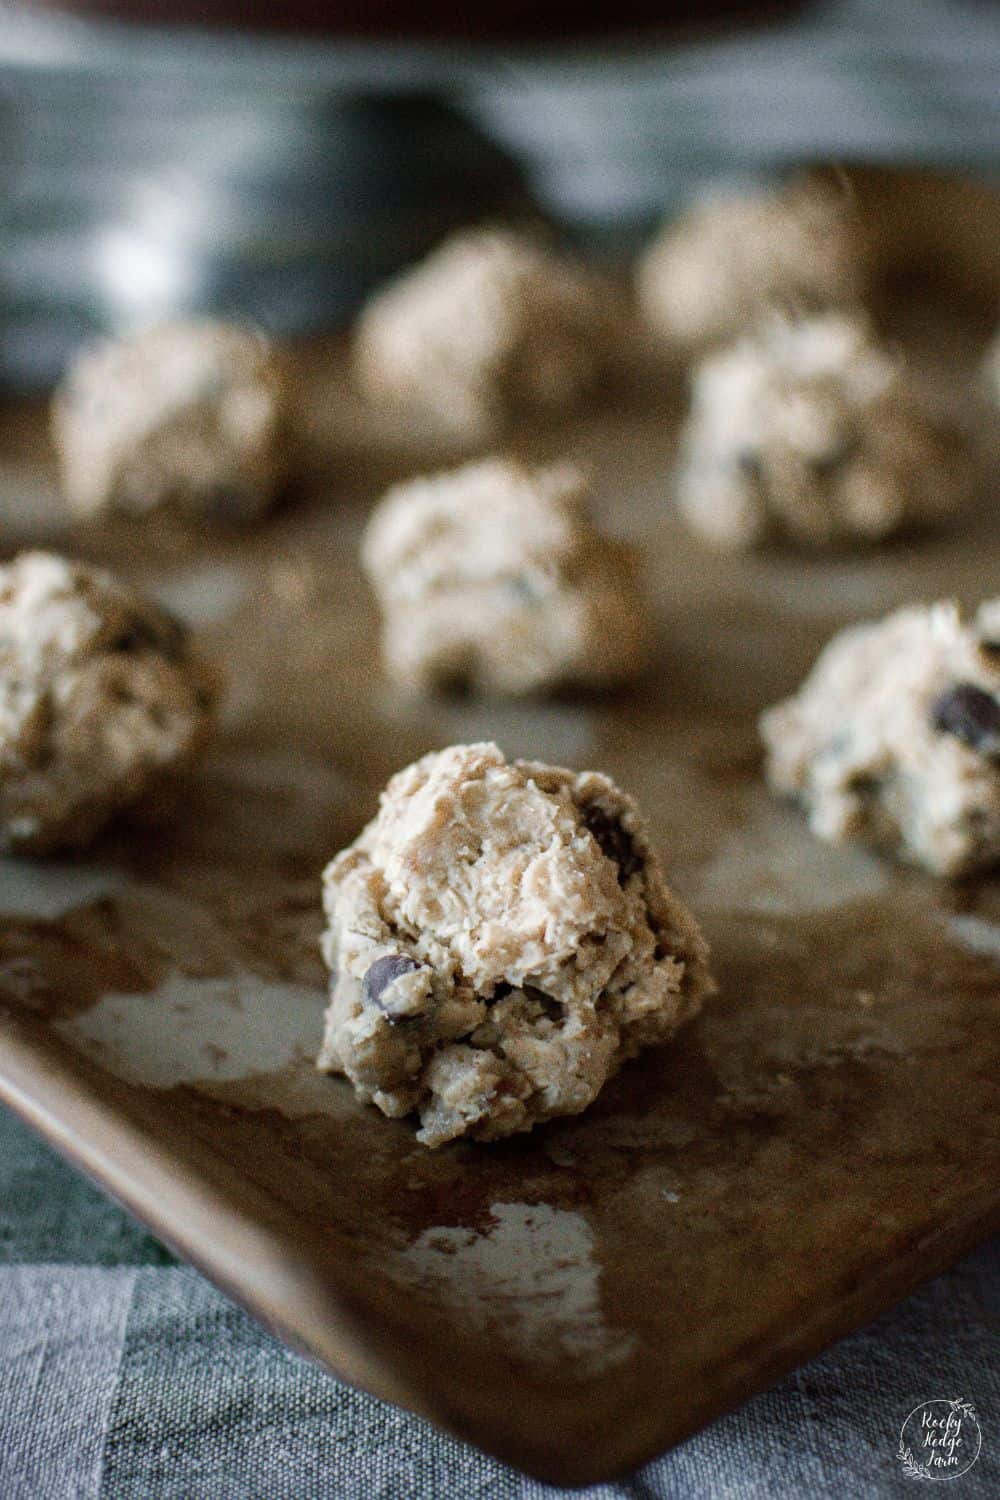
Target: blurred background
[[275, 161]]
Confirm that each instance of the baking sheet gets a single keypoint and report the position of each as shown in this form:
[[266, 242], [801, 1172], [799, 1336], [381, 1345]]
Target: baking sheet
[[824, 1136]]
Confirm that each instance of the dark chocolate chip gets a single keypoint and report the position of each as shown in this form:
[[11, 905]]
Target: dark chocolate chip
[[613, 841], [173, 635], [227, 502], [523, 589], [501, 992], [825, 465], [972, 715], [384, 972], [749, 464], [130, 641], [158, 633], [549, 1006], [454, 683], [835, 745], [863, 785]]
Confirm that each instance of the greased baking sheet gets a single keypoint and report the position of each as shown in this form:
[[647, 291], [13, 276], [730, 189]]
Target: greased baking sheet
[[825, 1135]]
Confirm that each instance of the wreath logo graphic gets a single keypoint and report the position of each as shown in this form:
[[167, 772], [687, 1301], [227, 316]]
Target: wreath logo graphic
[[940, 1439]]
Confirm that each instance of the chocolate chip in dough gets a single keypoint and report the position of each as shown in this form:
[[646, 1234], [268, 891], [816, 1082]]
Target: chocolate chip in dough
[[613, 842], [750, 465], [833, 459], [162, 633], [972, 715], [383, 973]]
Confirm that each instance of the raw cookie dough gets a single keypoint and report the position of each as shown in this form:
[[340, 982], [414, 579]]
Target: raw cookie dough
[[501, 940], [894, 738], [190, 415], [492, 576], [731, 254], [101, 699], [991, 369], [491, 327], [810, 431]]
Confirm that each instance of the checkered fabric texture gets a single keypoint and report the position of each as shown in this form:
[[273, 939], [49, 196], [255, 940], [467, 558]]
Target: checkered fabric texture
[[124, 1376]]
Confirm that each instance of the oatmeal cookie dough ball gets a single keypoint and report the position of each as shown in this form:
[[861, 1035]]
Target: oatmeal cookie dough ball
[[101, 700], [490, 327], [501, 940], [810, 432], [732, 254], [190, 415], [894, 738], [492, 576]]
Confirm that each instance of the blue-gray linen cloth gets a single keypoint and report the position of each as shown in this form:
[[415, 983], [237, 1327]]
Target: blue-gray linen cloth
[[124, 1376]]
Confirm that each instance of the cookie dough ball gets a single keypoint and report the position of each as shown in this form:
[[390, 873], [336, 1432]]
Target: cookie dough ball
[[490, 327], [493, 577], [894, 738], [190, 415], [501, 940], [713, 269], [101, 700], [809, 431]]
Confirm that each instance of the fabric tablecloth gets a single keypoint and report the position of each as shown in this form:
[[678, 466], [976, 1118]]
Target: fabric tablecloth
[[126, 1376], [149, 175]]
